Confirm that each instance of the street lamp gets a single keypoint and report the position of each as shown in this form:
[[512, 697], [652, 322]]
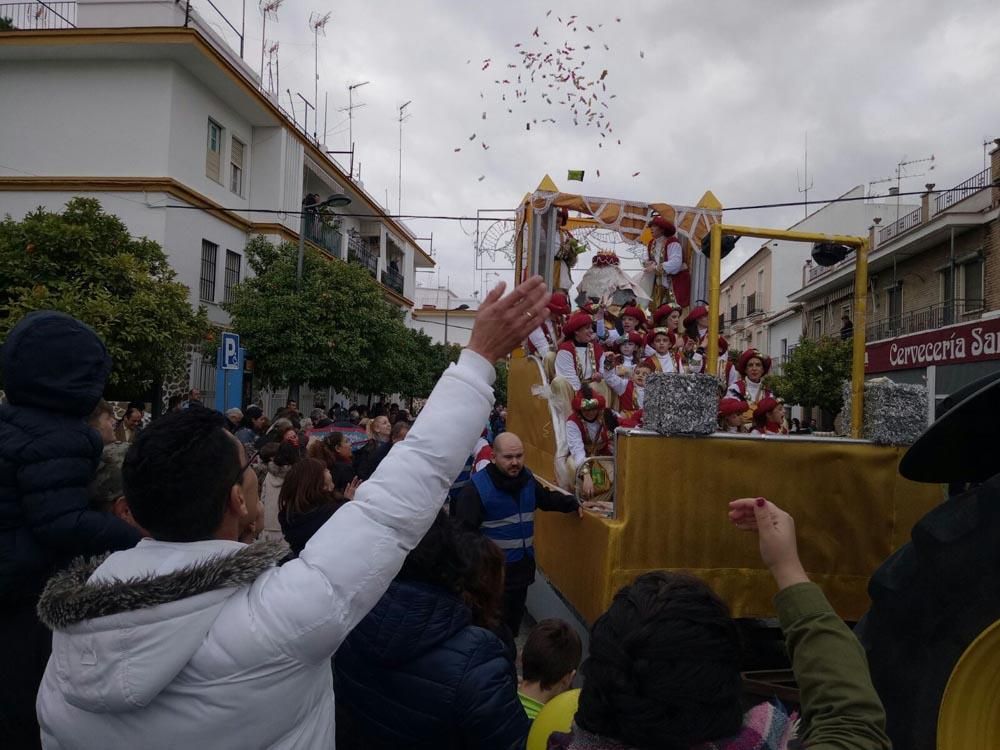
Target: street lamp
[[310, 205], [446, 311]]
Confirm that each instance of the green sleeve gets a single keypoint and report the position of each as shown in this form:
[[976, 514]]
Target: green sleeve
[[840, 708]]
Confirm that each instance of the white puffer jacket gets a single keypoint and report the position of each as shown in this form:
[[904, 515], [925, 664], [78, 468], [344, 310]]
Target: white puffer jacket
[[207, 645]]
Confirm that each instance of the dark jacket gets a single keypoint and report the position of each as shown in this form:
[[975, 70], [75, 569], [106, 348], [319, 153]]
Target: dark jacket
[[470, 513], [54, 371], [366, 467], [300, 527], [416, 674]]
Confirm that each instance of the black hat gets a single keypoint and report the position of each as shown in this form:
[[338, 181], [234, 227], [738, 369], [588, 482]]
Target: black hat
[[961, 444], [253, 412]]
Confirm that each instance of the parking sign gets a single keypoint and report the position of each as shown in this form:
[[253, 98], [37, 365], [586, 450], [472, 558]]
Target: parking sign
[[230, 351]]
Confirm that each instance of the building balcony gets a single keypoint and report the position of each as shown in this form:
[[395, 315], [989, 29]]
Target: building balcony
[[393, 280], [358, 252], [325, 237], [40, 15], [925, 319]]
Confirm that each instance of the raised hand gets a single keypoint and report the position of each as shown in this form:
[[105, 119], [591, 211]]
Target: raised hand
[[776, 531], [502, 323], [351, 488]]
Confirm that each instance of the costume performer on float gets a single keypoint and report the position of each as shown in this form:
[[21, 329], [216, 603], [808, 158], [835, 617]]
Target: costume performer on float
[[749, 383], [665, 276], [587, 436]]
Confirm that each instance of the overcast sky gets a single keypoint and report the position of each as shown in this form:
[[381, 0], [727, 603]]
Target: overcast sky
[[721, 101]]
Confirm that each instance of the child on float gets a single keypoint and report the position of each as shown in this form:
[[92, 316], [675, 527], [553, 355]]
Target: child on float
[[731, 412], [667, 316], [696, 341], [628, 352], [631, 392], [748, 383], [578, 356], [548, 336], [633, 320], [665, 357], [769, 417], [587, 435]]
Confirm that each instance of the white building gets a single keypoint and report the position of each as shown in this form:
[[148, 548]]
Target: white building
[[443, 315], [147, 109]]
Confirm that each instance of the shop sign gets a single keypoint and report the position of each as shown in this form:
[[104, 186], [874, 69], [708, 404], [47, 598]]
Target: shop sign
[[971, 342]]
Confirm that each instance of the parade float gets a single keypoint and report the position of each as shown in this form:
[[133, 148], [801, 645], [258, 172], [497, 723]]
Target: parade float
[[671, 485]]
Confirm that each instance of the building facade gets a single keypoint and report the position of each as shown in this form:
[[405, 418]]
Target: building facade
[[143, 106], [443, 315], [934, 288]]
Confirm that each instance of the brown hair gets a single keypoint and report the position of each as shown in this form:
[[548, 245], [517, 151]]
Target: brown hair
[[483, 587], [552, 651], [303, 489], [321, 450], [102, 407]]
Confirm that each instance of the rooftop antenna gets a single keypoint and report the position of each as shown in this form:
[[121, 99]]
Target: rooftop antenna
[[272, 69], [269, 9], [402, 119], [805, 179], [351, 106], [318, 24], [901, 173]]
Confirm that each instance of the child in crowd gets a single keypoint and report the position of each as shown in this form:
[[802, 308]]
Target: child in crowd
[[631, 392], [731, 415], [548, 664], [769, 417]]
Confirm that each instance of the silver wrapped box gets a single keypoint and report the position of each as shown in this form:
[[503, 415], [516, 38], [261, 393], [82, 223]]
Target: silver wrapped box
[[895, 413], [677, 404]]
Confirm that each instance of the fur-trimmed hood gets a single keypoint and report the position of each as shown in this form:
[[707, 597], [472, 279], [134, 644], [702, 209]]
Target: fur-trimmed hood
[[129, 622]]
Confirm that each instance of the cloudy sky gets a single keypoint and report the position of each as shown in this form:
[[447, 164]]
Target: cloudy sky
[[720, 99]]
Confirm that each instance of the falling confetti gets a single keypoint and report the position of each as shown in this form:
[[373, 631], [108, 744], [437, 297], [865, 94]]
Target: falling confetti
[[485, 147], [472, 137], [481, 178], [635, 174], [458, 149], [642, 54]]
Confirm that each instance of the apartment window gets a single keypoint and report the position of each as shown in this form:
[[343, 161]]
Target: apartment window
[[734, 313], [760, 340], [209, 256], [233, 261], [213, 158], [972, 284], [760, 288], [236, 150], [743, 297], [894, 307], [817, 326], [784, 348]]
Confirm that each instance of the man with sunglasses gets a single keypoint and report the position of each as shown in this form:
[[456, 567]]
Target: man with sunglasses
[[194, 639]]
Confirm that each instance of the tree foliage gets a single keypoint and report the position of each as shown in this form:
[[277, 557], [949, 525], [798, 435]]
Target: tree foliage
[[815, 372], [334, 330], [84, 262], [500, 387]]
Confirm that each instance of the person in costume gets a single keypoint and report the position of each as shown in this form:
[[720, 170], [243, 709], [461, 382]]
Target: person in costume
[[665, 356], [665, 276], [587, 436], [731, 415], [578, 356], [631, 393], [769, 417], [696, 341], [547, 337], [632, 319], [628, 352], [749, 381]]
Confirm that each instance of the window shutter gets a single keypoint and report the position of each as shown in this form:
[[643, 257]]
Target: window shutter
[[237, 156], [213, 157]]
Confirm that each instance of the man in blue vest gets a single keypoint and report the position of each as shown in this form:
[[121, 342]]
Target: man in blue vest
[[501, 502]]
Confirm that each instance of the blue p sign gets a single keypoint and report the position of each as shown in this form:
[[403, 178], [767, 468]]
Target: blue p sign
[[230, 351]]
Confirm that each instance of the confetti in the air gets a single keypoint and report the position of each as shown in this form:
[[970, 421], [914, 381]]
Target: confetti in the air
[[481, 178], [635, 174]]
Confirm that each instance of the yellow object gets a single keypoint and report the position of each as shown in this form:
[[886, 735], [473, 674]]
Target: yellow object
[[547, 186], [969, 717], [850, 505], [557, 716]]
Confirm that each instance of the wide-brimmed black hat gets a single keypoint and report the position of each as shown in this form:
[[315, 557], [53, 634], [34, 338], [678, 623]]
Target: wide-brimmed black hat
[[961, 445]]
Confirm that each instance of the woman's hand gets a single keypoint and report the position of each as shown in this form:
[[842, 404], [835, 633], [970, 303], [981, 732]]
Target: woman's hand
[[587, 491], [776, 532], [350, 489]]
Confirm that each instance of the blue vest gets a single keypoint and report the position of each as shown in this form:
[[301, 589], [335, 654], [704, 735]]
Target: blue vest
[[464, 477], [510, 521]]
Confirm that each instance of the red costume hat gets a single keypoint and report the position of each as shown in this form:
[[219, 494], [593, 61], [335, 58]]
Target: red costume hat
[[634, 337], [594, 402], [729, 406], [741, 366], [661, 332], [698, 312], [764, 406], [634, 312], [723, 345], [559, 305], [576, 321], [665, 224], [664, 311]]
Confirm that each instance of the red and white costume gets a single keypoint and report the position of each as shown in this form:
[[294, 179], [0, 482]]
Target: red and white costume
[[578, 363], [548, 335], [631, 398], [482, 454], [668, 273], [743, 387]]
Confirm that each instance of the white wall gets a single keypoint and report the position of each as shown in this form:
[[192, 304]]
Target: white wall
[[432, 323], [85, 118], [789, 328]]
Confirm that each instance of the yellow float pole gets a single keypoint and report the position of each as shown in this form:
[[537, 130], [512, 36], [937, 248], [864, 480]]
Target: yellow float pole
[[858, 341], [714, 282]]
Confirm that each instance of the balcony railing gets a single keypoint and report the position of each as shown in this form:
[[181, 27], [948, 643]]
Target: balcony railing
[[974, 184], [393, 280], [325, 236], [901, 225], [40, 15], [357, 252], [925, 319]]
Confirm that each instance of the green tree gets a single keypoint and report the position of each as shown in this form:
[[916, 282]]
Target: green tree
[[500, 387], [84, 262], [6, 24], [335, 330], [814, 374]]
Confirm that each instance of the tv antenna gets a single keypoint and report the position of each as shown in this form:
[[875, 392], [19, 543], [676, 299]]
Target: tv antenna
[[318, 24], [806, 182], [273, 82], [269, 9], [402, 118], [349, 109]]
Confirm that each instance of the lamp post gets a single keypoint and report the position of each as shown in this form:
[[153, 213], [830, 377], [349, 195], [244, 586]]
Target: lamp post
[[446, 311], [310, 205]]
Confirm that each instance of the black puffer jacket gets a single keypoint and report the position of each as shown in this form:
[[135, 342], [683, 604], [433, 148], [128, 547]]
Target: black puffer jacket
[[54, 370], [414, 673]]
